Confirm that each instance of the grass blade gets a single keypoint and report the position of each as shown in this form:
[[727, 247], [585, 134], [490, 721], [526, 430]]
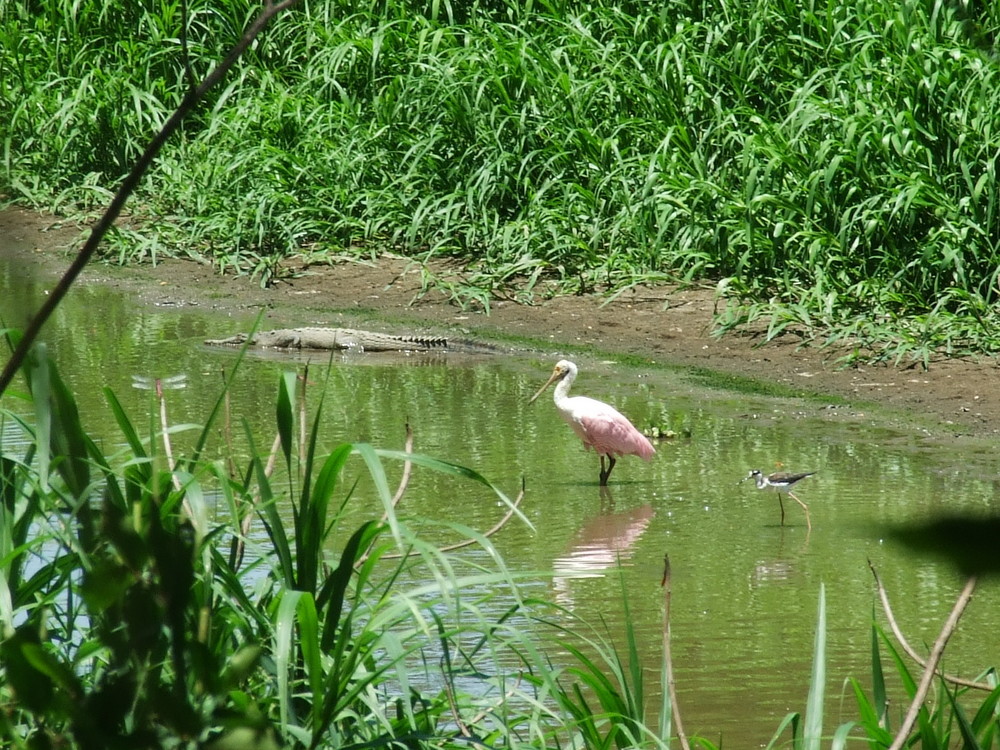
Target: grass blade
[[813, 727], [285, 416]]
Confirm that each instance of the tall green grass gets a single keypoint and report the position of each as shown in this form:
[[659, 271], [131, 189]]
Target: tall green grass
[[126, 623], [836, 160], [833, 164], [156, 600]]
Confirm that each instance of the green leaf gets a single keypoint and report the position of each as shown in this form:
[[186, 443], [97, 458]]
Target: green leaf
[[295, 606], [792, 720], [286, 414], [125, 424], [217, 408], [105, 584], [273, 523], [33, 687], [986, 714], [329, 473], [813, 728], [331, 597], [452, 469], [246, 738], [60, 674], [842, 735], [69, 443], [879, 693], [969, 740], [240, 666]]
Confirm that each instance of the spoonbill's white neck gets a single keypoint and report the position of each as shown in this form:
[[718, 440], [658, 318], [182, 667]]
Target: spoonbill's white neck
[[565, 383]]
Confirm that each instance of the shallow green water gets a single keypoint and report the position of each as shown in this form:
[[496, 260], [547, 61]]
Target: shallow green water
[[744, 588]]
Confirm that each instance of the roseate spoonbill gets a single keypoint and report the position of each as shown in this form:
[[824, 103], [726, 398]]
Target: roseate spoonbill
[[598, 425], [783, 483]]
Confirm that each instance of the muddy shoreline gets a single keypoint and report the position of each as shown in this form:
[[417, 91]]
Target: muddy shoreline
[[954, 399]]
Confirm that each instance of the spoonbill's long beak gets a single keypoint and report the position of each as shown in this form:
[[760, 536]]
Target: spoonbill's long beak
[[555, 376]]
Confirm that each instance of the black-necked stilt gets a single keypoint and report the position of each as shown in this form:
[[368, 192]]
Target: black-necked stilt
[[783, 483]]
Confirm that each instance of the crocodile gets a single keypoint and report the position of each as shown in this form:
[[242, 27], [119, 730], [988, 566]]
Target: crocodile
[[347, 338]]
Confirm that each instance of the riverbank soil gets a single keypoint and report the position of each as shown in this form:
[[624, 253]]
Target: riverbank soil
[[661, 324]]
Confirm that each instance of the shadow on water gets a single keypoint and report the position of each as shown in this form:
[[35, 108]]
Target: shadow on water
[[744, 587]]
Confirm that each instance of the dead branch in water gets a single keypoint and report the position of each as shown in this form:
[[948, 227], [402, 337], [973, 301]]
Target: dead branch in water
[[407, 471], [469, 542]]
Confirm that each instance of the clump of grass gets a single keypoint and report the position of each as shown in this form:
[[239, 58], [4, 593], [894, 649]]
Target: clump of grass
[[125, 623], [939, 723]]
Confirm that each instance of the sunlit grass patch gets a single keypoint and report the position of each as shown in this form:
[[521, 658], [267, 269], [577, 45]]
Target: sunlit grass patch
[[834, 165]]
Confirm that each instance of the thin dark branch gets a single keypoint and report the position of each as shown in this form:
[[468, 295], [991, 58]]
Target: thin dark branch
[[128, 186]]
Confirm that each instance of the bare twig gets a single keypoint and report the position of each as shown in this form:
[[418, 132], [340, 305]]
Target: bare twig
[[456, 716], [930, 670], [128, 186], [910, 651], [668, 665], [273, 458], [167, 449], [499, 703], [407, 471], [303, 415], [469, 542], [463, 724], [401, 490]]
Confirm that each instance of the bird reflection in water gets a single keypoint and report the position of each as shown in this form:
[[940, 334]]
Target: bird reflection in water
[[781, 566], [771, 571], [599, 545]]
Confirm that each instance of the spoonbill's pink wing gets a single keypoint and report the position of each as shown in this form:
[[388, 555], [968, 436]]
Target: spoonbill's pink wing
[[612, 434]]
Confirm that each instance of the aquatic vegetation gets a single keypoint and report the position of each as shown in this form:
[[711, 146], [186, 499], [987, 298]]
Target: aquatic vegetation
[[126, 621]]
